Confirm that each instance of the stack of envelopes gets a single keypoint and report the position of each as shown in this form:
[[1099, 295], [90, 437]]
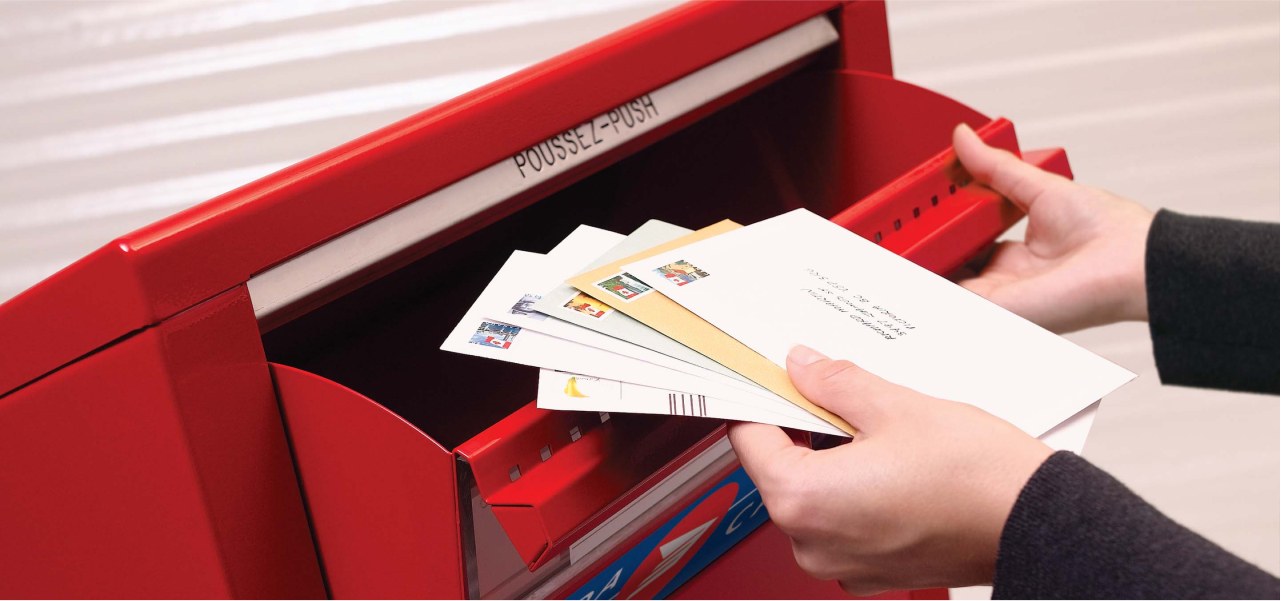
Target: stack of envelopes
[[699, 323]]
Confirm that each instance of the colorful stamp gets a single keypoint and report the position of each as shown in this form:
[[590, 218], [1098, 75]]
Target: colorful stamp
[[681, 272], [582, 303], [499, 335], [525, 306], [625, 286]]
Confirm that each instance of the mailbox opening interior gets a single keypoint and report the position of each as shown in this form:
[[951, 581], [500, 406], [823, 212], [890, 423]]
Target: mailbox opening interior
[[818, 138]]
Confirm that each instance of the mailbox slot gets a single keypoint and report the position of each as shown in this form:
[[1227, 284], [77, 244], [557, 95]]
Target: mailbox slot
[[818, 138]]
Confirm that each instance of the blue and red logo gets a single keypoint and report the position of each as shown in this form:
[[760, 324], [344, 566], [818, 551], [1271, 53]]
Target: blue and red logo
[[683, 546]]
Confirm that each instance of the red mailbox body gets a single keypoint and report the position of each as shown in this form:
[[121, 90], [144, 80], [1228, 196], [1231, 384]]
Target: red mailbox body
[[246, 400]]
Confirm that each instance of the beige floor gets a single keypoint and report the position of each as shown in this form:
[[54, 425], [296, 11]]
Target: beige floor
[[119, 113]]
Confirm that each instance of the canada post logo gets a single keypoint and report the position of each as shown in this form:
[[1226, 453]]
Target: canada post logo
[[684, 545]]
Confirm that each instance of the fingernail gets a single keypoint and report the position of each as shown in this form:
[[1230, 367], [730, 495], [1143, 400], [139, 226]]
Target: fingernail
[[965, 127], [803, 355]]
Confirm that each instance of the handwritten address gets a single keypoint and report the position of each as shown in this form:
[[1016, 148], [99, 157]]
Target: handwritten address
[[876, 317]]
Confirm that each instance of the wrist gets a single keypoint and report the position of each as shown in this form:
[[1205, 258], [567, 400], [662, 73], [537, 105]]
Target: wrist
[[1135, 300], [1121, 276], [1020, 464]]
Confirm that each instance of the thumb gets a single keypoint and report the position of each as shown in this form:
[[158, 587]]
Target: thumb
[[858, 396], [1000, 170]]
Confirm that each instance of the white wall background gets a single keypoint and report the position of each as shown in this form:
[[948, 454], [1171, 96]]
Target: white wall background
[[118, 113]]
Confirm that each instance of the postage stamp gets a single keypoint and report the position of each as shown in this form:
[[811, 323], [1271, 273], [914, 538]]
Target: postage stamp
[[582, 303], [625, 286], [498, 335], [681, 272], [525, 306]]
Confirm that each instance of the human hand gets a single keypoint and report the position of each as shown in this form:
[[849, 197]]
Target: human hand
[[1081, 263], [918, 499]]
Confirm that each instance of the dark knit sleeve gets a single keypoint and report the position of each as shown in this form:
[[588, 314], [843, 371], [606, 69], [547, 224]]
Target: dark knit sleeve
[[1213, 302], [1076, 532]]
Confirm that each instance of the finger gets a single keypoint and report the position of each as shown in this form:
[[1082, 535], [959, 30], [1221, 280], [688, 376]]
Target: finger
[[984, 258], [1002, 268], [853, 393], [764, 450], [1005, 292], [1020, 297], [1043, 301], [1000, 170], [982, 286]]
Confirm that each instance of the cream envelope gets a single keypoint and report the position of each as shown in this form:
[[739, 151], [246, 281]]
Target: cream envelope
[[800, 279], [530, 271], [576, 392], [624, 292]]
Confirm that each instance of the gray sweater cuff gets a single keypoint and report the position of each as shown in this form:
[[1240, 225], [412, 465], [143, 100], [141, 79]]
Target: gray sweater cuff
[[1213, 302], [1076, 532]]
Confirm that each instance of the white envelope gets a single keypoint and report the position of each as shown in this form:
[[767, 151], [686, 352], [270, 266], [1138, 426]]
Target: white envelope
[[800, 279], [577, 392]]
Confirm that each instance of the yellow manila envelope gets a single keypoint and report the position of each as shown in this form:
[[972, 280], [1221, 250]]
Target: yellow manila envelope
[[629, 295]]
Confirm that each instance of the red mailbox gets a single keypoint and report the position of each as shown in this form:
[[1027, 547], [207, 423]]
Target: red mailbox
[[246, 400]]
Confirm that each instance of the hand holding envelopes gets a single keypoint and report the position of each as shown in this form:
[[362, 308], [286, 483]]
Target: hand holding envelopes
[[800, 279]]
